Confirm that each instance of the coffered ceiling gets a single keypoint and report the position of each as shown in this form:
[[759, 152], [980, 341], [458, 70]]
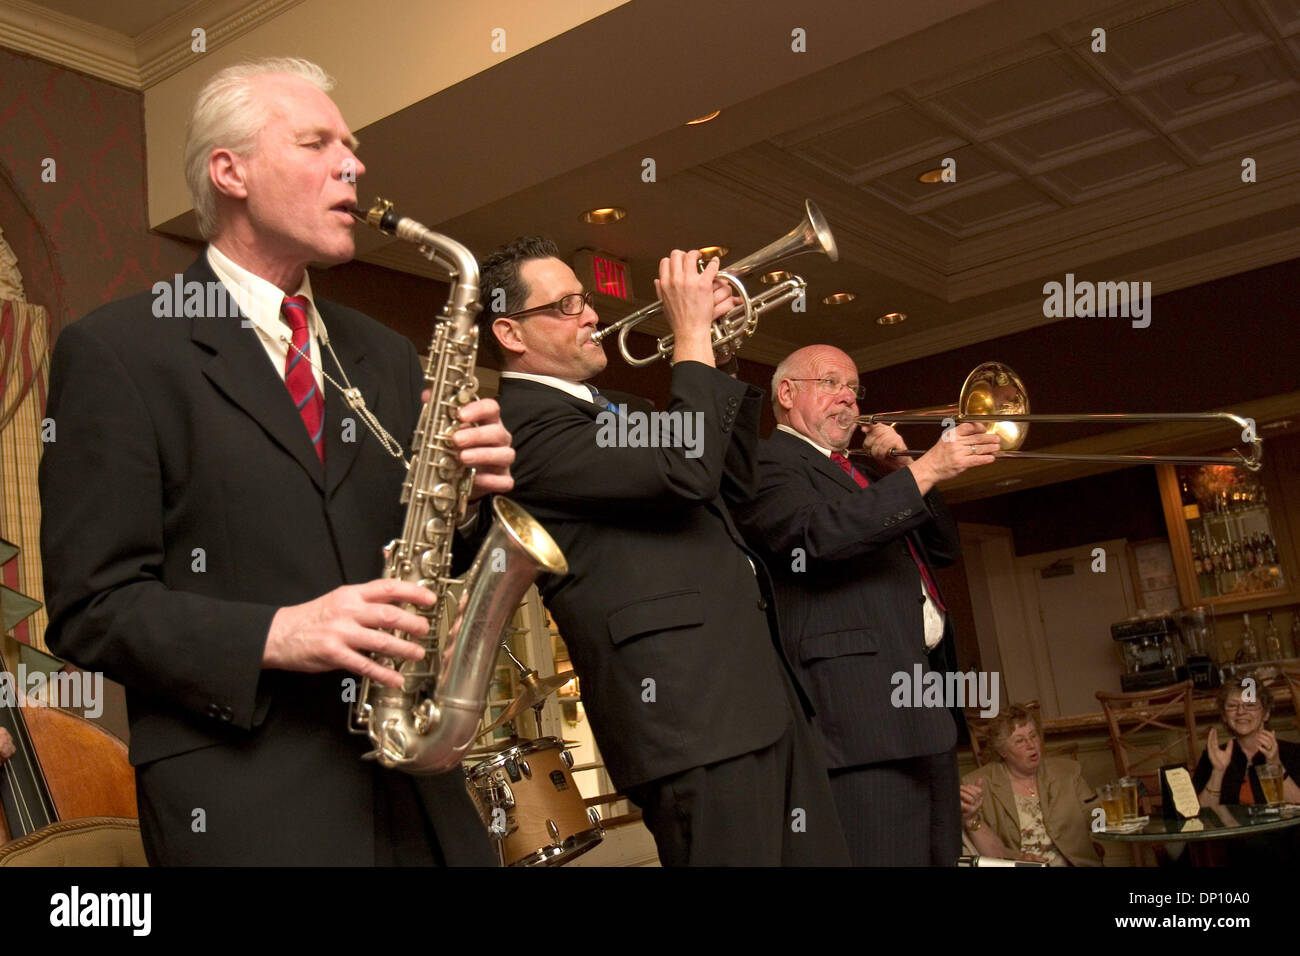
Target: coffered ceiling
[[1122, 164]]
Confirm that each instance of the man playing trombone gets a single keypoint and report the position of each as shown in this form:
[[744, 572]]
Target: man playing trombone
[[691, 702], [850, 550]]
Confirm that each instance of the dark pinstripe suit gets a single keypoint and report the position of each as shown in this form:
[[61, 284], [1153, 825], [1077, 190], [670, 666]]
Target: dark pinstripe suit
[[850, 606]]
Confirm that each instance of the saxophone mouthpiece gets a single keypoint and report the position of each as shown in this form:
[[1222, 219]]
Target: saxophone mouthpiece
[[380, 215]]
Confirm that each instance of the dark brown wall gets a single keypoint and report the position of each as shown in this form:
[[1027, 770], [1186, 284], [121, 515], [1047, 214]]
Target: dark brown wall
[[1215, 344]]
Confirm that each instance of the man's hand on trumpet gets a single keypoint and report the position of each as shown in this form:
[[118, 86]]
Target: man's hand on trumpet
[[966, 446], [693, 299]]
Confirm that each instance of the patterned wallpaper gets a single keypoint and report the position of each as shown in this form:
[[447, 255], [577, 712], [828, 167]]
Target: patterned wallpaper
[[83, 239]]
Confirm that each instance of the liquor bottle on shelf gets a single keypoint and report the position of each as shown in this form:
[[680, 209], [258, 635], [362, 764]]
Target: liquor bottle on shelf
[[1249, 646], [1239, 555], [1191, 508], [1227, 557], [1272, 640]]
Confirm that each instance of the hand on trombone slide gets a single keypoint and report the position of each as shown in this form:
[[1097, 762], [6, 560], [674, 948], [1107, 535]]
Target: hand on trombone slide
[[965, 446]]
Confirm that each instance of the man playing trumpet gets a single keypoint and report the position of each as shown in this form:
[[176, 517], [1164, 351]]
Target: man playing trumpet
[[690, 700]]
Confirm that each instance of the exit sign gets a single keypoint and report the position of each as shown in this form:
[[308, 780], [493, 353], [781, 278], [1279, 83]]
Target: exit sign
[[603, 273]]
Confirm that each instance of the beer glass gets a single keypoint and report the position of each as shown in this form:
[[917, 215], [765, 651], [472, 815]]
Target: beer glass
[[1112, 801], [1270, 781], [1129, 788]]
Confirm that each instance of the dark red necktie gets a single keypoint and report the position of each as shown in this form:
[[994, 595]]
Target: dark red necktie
[[298, 377], [926, 578]]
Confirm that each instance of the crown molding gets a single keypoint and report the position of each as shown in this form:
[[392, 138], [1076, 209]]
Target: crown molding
[[68, 41], [135, 63]]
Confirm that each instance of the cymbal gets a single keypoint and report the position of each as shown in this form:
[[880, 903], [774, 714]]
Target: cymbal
[[536, 690]]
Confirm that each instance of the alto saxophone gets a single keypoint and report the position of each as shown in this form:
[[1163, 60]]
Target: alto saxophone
[[427, 724]]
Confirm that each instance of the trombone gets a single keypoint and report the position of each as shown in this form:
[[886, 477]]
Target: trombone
[[810, 235], [995, 395]]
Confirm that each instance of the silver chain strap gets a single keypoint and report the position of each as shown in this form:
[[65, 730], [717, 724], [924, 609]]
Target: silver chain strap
[[355, 400]]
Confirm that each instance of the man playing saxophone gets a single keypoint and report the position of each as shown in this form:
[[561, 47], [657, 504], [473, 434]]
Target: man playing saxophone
[[665, 620], [214, 512]]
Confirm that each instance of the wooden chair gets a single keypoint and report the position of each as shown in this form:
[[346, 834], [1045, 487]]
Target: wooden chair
[[1129, 714], [1290, 673]]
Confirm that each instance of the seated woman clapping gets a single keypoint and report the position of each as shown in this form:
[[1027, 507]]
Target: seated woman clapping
[[1228, 772]]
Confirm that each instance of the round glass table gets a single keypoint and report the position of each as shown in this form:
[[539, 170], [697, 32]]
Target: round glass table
[[1212, 823]]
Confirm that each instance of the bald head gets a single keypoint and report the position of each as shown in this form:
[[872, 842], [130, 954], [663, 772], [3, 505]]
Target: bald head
[[801, 402]]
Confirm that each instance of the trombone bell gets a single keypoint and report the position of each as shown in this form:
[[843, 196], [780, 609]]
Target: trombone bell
[[995, 396]]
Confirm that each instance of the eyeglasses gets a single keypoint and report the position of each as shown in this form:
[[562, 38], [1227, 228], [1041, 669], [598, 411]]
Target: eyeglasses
[[832, 387], [1232, 707], [572, 304]]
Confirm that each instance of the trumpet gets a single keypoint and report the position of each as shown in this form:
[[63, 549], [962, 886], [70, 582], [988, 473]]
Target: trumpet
[[995, 396], [812, 234]]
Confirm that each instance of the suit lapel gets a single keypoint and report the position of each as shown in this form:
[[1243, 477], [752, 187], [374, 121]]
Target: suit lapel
[[998, 782], [240, 369], [820, 463], [341, 455]]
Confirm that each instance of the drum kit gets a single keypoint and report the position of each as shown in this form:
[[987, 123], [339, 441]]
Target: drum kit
[[526, 794]]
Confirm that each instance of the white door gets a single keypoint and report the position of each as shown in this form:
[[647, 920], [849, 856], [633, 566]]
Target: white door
[[1071, 604]]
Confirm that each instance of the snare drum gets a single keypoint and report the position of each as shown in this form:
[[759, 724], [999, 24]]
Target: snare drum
[[528, 792]]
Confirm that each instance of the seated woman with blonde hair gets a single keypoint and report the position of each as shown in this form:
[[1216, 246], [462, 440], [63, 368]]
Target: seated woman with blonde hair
[[1025, 807]]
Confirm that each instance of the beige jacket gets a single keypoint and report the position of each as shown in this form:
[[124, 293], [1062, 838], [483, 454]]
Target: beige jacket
[[1064, 795]]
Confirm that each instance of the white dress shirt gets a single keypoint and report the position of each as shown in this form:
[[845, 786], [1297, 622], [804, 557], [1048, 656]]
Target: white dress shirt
[[576, 389], [260, 301]]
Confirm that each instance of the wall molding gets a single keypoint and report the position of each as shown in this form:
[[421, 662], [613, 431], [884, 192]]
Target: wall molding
[[132, 62]]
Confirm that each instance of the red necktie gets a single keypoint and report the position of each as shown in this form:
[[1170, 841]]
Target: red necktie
[[298, 377], [930, 587]]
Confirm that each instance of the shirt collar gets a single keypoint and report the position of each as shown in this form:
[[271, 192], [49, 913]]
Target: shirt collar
[[259, 300], [576, 389], [790, 431]]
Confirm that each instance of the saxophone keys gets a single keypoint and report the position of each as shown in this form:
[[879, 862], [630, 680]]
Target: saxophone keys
[[429, 563], [443, 496]]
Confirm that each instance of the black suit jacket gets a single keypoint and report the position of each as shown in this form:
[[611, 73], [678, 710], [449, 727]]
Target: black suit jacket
[[183, 505], [659, 587], [849, 594]]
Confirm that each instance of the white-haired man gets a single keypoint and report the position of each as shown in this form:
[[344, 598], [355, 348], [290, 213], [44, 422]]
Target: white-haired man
[[214, 513]]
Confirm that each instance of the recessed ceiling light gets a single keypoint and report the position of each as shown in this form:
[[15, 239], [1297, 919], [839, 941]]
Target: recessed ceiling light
[[891, 318], [703, 119], [713, 252], [1216, 83], [603, 215], [839, 298], [931, 176], [772, 278]]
